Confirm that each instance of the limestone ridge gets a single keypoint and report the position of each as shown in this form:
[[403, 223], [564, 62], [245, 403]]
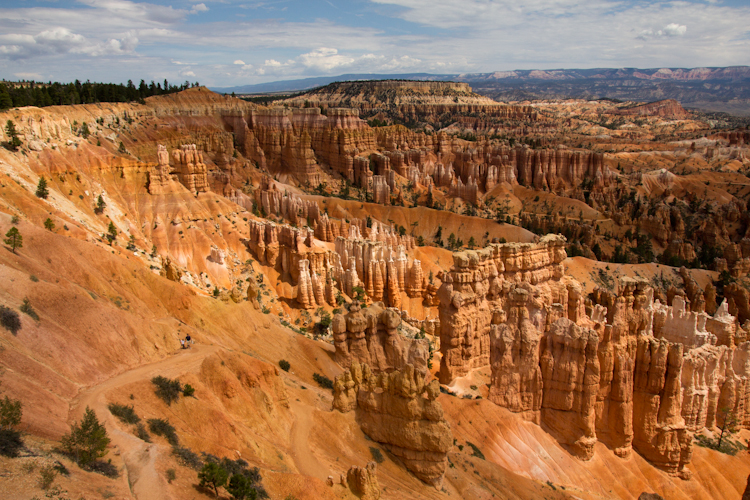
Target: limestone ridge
[[290, 142], [622, 368], [400, 411]]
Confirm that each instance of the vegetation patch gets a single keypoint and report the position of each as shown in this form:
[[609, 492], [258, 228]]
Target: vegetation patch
[[162, 427], [167, 389], [124, 413]]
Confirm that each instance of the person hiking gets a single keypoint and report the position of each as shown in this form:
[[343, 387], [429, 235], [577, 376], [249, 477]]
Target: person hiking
[[182, 343], [188, 340]]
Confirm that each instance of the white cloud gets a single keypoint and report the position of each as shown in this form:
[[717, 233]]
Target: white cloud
[[670, 30], [201, 7], [155, 41], [28, 76], [324, 59], [674, 29], [60, 40]]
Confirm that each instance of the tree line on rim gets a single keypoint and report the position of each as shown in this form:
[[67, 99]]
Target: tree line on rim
[[56, 93]]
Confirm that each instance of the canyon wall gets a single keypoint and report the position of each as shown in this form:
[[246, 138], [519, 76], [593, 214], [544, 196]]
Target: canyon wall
[[620, 367]]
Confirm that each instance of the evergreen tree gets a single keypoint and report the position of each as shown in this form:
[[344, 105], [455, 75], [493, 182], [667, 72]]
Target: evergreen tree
[[241, 488], [111, 232], [100, 205], [213, 475], [13, 141], [41, 188], [87, 441], [13, 239], [6, 101], [85, 132], [49, 224]]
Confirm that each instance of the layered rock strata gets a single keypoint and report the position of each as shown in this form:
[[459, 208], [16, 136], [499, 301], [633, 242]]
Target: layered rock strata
[[400, 411], [371, 336], [624, 368], [480, 279]]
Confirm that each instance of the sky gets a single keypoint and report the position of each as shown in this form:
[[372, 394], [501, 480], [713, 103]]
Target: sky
[[225, 43]]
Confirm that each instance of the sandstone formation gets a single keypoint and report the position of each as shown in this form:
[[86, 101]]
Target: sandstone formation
[[668, 108], [400, 411], [625, 368], [377, 262], [570, 377], [371, 336], [478, 278], [363, 481]]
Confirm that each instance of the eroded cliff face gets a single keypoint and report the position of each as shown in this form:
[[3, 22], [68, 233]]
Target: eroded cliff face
[[477, 287], [624, 368], [401, 411], [371, 336]]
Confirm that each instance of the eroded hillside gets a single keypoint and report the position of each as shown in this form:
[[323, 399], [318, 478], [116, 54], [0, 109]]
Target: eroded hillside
[[352, 252]]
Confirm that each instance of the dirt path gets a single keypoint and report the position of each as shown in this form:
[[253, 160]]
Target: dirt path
[[304, 459], [139, 457]]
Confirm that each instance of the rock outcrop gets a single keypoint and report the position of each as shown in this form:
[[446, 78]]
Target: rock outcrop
[[400, 411], [371, 336], [570, 374], [481, 282], [363, 481], [625, 369]]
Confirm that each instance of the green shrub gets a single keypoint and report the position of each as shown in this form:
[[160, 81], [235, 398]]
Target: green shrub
[[377, 455], [171, 475], [188, 390], [284, 365], [214, 475], [27, 309], [142, 433], [86, 441], [477, 453], [125, 413], [10, 320], [167, 389], [10, 443], [11, 411], [46, 476], [162, 427], [187, 457], [323, 381]]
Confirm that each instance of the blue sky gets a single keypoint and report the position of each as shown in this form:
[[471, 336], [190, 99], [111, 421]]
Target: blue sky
[[235, 42]]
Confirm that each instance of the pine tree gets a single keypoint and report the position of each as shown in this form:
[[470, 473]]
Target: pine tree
[[111, 232], [213, 475], [41, 189], [87, 441], [13, 239], [13, 141], [49, 224], [85, 132], [100, 205]]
